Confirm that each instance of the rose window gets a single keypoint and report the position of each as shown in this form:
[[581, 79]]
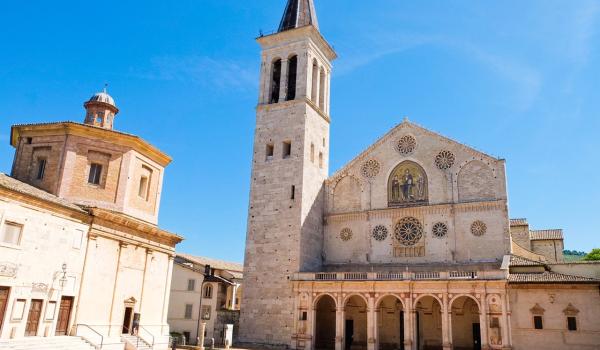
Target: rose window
[[346, 234], [444, 160], [380, 233], [406, 145], [408, 231], [439, 230], [478, 228], [370, 168]]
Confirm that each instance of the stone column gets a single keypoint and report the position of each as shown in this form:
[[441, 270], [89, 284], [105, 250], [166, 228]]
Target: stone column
[[408, 324], [317, 100], [201, 336], [370, 323], [283, 81], [233, 296], [484, 323], [339, 326], [506, 344], [446, 323], [376, 328]]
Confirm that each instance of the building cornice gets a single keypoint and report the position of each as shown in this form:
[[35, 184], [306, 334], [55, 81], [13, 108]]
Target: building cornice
[[88, 131]]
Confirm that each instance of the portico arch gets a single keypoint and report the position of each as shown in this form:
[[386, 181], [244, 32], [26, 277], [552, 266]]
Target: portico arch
[[325, 312], [355, 322], [428, 323], [390, 323], [466, 327]]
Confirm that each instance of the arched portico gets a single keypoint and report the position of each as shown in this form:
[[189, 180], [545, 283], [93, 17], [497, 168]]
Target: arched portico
[[428, 323], [390, 318], [355, 322], [325, 322], [465, 323]]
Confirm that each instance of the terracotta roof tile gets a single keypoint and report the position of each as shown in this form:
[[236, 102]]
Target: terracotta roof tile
[[26, 189], [516, 260], [545, 234], [518, 222], [548, 277], [214, 263]]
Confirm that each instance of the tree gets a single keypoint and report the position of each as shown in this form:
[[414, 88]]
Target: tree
[[594, 255]]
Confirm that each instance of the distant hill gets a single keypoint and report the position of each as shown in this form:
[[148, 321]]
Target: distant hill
[[573, 255]]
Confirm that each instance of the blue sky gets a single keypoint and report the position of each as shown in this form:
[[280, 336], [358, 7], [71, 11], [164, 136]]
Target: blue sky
[[517, 79]]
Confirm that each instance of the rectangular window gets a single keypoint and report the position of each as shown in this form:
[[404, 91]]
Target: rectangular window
[[537, 322], [270, 151], [293, 196], [95, 174], [143, 188], [287, 149], [77, 239], [312, 153], [191, 285], [11, 233], [304, 316], [206, 312], [321, 160], [188, 311], [572, 323], [41, 170]]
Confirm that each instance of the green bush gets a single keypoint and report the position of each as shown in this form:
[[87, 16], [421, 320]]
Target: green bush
[[594, 255]]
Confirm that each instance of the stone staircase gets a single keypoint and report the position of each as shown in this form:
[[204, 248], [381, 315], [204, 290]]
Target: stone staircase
[[45, 343], [136, 342]]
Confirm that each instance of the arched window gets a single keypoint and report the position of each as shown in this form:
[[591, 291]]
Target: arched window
[[315, 75], [208, 291], [292, 74], [407, 185], [322, 90], [275, 81]]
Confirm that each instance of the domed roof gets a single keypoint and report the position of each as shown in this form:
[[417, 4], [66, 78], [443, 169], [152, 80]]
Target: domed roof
[[103, 97]]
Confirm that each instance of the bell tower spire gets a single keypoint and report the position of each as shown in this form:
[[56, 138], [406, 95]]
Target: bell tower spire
[[299, 13]]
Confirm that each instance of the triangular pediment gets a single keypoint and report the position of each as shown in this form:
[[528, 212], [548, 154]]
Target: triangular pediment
[[425, 138]]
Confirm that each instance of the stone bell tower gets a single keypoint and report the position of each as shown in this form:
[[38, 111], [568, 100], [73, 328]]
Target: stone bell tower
[[289, 166]]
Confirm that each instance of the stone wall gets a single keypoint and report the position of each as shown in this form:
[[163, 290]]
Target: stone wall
[[553, 301]]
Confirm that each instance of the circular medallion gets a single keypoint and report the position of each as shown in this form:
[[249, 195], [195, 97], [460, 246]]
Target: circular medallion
[[406, 145], [408, 231], [478, 228], [439, 230], [444, 160], [370, 168], [346, 234], [380, 233]]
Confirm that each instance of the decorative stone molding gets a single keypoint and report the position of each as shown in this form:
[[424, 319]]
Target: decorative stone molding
[[380, 233], [571, 310], [537, 310], [370, 168], [406, 145], [439, 230], [445, 160], [39, 287], [8, 269], [346, 234], [478, 228]]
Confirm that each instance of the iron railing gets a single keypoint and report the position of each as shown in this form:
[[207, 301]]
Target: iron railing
[[95, 345]]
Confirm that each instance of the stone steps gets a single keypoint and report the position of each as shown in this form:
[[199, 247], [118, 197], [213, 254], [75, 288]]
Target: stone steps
[[45, 343], [140, 345]]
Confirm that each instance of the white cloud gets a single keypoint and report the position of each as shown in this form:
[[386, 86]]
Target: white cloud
[[206, 71]]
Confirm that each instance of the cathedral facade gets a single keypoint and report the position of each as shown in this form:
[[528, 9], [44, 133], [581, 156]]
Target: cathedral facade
[[408, 246]]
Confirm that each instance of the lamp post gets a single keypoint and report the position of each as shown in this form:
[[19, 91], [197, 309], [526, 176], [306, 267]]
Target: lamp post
[[201, 324], [62, 282]]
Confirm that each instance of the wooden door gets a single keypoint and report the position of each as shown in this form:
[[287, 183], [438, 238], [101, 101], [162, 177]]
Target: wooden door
[[3, 301], [33, 319], [64, 315]]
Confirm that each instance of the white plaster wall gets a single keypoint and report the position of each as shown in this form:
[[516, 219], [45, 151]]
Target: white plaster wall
[[47, 242]]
